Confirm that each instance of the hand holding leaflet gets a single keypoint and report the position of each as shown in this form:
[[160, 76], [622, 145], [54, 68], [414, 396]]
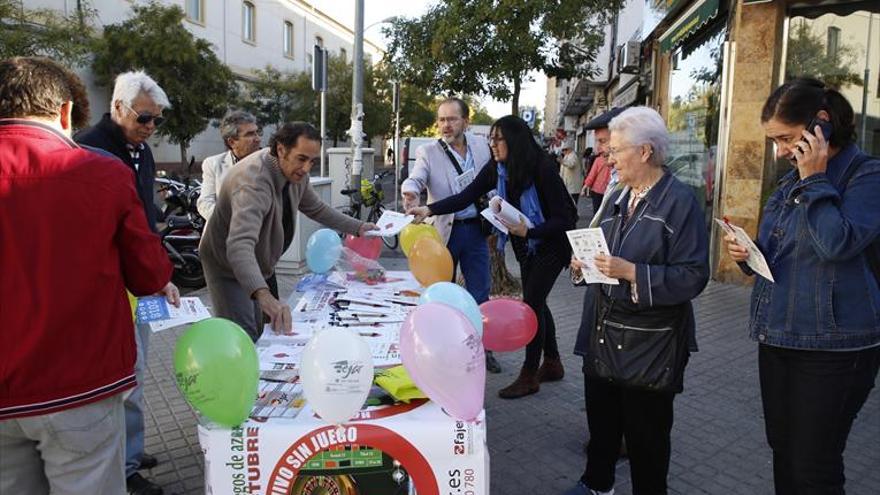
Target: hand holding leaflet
[[499, 210], [390, 224], [585, 245], [756, 260]]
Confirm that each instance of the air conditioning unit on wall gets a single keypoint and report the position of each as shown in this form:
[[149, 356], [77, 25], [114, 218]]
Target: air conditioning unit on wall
[[628, 58]]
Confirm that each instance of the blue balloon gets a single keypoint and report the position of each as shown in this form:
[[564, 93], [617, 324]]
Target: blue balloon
[[323, 250], [457, 297]]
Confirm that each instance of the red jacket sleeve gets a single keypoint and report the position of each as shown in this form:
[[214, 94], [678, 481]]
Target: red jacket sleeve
[[144, 262]]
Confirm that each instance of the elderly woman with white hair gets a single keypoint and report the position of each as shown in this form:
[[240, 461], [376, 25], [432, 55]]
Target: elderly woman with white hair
[[636, 335]]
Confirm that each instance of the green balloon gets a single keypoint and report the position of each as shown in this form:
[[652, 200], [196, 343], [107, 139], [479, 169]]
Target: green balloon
[[215, 364]]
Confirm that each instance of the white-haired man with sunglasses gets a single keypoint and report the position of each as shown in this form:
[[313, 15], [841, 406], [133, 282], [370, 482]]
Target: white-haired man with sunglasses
[[135, 113]]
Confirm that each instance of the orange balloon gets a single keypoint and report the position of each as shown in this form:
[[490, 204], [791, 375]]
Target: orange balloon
[[430, 261]]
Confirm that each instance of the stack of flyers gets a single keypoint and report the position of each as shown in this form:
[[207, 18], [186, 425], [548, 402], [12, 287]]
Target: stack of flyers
[[278, 400]]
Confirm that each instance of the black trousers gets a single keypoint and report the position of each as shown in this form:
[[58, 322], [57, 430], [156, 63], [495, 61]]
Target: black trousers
[[810, 401], [539, 272], [644, 419]]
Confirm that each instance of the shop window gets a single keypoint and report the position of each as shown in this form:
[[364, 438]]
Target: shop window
[[694, 116], [831, 48]]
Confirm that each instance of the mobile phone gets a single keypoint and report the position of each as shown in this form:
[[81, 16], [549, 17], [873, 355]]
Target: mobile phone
[[824, 124]]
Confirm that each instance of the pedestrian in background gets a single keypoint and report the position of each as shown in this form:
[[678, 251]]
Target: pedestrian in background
[[525, 176], [818, 325], [73, 237], [660, 255], [572, 171]]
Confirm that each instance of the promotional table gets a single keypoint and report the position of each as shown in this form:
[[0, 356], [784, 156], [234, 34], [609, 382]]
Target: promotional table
[[388, 449]]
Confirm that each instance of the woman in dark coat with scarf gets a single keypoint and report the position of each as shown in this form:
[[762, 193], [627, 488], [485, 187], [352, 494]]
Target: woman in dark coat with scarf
[[526, 177]]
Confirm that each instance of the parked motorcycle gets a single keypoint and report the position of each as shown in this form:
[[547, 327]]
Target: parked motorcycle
[[182, 229]]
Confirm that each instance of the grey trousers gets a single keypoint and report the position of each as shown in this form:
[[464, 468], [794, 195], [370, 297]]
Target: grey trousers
[[71, 452], [134, 404], [231, 302]]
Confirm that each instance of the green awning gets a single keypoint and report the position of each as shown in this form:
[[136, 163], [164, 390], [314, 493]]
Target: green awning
[[697, 16]]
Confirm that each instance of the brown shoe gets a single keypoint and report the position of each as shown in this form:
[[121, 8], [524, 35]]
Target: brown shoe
[[526, 384], [551, 370]]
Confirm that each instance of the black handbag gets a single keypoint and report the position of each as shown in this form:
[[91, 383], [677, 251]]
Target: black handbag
[[481, 203], [644, 350]]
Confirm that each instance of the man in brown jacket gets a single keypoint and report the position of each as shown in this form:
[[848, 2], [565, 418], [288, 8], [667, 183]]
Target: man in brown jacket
[[253, 224]]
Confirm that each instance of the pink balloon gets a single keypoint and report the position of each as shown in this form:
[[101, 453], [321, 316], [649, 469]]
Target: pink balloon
[[445, 358], [508, 324], [368, 247]]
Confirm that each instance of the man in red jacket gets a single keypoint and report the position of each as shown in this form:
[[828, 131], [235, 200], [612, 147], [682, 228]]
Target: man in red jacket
[[73, 237]]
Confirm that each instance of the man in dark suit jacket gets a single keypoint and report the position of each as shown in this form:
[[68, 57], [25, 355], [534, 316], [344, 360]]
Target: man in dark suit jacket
[[135, 113]]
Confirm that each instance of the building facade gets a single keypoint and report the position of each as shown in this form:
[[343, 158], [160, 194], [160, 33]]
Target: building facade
[[246, 35]]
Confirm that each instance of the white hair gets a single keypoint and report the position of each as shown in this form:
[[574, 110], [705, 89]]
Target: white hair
[[643, 125], [130, 84]]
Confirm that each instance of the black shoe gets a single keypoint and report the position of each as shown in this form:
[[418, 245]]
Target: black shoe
[[148, 462], [138, 485], [492, 365]]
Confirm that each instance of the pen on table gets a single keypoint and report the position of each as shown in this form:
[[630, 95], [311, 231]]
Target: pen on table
[[369, 334]]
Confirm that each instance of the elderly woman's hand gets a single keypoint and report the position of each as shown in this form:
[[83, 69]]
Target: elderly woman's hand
[[615, 267], [419, 212], [737, 253]]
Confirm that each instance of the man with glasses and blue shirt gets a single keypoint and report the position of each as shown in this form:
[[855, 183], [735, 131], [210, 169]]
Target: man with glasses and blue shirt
[[135, 114], [444, 168]]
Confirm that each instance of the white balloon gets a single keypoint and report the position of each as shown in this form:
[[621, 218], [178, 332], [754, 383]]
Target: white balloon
[[336, 373]]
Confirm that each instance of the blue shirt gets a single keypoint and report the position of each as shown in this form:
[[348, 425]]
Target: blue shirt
[[466, 163]]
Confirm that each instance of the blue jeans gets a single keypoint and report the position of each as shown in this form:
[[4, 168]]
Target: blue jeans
[[134, 404], [470, 251]]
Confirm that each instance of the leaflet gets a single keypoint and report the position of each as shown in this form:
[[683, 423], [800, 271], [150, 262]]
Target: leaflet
[[390, 224], [161, 316], [756, 260], [499, 210], [585, 245]]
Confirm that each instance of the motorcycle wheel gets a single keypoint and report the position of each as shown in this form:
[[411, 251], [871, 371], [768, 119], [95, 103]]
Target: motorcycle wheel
[[188, 271]]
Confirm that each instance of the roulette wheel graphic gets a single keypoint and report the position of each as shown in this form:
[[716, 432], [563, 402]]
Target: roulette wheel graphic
[[324, 485]]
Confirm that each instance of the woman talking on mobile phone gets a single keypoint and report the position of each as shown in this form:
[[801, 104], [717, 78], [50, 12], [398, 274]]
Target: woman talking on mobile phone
[[818, 324]]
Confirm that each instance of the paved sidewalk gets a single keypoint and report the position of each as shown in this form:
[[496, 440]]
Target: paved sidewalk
[[536, 443]]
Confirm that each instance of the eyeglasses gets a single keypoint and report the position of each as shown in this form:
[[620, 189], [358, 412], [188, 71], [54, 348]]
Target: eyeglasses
[[252, 134], [612, 152], [145, 118]]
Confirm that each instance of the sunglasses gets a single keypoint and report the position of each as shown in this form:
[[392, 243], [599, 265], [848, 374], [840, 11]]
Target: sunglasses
[[145, 118]]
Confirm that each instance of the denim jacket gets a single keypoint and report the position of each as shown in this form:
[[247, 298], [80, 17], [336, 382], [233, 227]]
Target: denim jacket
[[815, 239], [668, 242]]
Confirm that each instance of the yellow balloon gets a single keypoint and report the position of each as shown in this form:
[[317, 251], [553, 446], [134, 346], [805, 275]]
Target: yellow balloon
[[415, 231], [430, 261]]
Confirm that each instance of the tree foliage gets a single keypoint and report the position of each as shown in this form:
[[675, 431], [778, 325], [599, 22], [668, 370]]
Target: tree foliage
[[275, 97], [44, 32], [809, 57], [154, 39], [487, 47]]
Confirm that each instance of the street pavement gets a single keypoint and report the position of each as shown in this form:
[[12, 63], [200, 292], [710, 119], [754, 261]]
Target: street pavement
[[536, 442]]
